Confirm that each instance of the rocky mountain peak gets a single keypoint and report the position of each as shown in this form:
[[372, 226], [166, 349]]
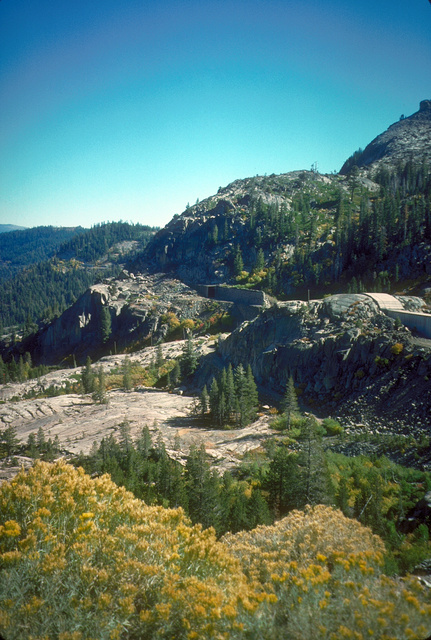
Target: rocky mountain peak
[[407, 139]]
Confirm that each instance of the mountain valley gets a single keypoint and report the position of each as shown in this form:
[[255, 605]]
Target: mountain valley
[[255, 373]]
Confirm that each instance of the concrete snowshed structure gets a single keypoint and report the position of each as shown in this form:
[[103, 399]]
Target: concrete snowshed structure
[[416, 321], [224, 293]]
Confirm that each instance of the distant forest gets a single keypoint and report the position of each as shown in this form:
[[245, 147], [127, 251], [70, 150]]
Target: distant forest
[[44, 290], [19, 249]]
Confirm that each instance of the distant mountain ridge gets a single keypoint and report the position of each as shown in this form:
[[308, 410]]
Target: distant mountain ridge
[[407, 139], [21, 247], [5, 228]]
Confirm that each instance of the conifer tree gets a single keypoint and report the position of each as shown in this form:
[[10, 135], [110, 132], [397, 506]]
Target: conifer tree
[[251, 396], [315, 477], [204, 401], [127, 374], [238, 263], [290, 402], [125, 440], [175, 374], [260, 261], [214, 397], [189, 360], [283, 481], [144, 443], [21, 370], [40, 440], [105, 324], [159, 358], [32, 446], [9, 442], [99, 394], [230, 393], [87, 377], [202, 487]]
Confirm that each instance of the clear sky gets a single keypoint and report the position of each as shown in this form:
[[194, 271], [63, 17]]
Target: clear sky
[[131, 109]]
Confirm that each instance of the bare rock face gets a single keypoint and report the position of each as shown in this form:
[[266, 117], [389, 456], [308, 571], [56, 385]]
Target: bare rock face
[[135, 306], [341, 352], [409, 138]]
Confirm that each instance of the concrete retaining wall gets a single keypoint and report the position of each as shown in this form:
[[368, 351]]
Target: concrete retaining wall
[[250, 297], [418, 322]]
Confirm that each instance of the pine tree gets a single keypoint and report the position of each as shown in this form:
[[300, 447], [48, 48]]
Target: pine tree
[[229, 393], [40, 440], [315, 476], [127, 374], [202, 487], [159, 358], [175, 374], [125, 440], [260, 261], [214, 397], [105, 325], [21, 370], [189, 359], [283, 481], [238, 263], [290, 402], [144, 443], [99, 394], [32, 446], [251, 397], [9, 442], [204, 401], [87, 377]]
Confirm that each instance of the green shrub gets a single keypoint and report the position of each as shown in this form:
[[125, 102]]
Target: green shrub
[[332, 427]]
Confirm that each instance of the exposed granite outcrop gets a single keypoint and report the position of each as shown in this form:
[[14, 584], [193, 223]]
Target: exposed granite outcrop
[[341, 351], [199, 245], [409, 138], [136, 305]]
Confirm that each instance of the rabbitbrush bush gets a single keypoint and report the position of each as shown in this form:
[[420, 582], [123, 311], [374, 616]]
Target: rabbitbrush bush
[[325, 571], [82, 559]]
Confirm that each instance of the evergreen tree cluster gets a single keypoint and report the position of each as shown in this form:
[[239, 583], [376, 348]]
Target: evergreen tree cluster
[[20, 370], [189, 359], [267, 486], [232, 399], [37, 446], [368, 230], [336, 229], [96, 242], [144, 467], [43, 291], [22, 248]]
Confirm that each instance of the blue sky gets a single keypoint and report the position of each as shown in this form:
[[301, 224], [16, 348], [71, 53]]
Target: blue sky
[[129, 110]]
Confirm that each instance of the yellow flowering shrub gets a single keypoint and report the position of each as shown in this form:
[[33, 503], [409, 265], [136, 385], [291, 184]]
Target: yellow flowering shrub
[[81, 558], [325, 572]]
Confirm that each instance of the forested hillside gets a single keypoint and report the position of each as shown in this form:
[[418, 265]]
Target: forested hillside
[[19, 249], [102, 238], [44, 290], [304, 230]]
